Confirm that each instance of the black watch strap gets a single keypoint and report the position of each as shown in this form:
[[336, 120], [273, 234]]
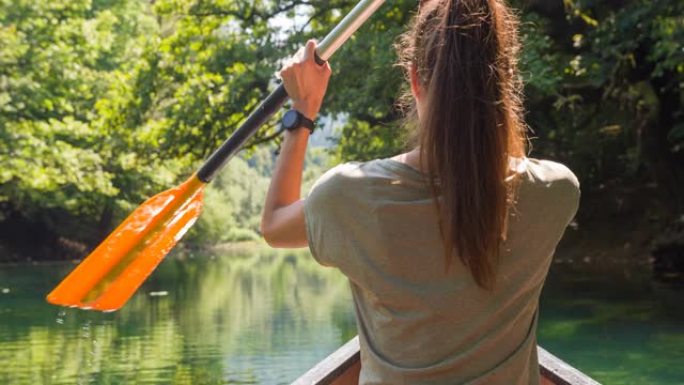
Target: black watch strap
[[294, 119], [307, 123]]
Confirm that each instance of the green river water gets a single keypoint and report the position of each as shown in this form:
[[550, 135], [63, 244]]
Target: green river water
[[265, 317]]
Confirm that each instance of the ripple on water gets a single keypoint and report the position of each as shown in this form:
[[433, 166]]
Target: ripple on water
[[263, 320]]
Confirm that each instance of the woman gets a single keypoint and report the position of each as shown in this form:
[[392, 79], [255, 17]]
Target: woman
[[447, 245]]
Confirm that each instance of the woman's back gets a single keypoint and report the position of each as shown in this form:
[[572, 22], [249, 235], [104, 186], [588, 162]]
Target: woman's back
[[418, 322], [446, 268]]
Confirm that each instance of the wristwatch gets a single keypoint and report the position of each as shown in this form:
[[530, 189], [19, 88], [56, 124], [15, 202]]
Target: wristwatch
[[294, 119]]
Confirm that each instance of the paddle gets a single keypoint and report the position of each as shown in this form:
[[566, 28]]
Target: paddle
[[110, 275]]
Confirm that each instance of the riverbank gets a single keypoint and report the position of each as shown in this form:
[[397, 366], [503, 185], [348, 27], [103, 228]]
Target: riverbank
[[181, 251], [614, 222]]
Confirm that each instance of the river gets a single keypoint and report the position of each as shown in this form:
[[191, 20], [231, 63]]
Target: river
[[265, 317]]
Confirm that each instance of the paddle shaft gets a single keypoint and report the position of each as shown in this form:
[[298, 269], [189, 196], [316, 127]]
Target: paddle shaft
[[273, 102]]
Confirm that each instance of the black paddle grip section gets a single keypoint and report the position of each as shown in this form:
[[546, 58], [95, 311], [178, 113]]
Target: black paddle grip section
[[268, 107]]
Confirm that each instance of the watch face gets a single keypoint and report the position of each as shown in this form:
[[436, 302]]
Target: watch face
[[290, 119]]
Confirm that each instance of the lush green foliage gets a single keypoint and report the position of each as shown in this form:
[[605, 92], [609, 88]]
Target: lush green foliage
[[604, 87], [611, 99], [105, 102], [233, 201]]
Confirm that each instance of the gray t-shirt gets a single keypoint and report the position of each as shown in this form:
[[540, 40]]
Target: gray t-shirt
[[417, 322]]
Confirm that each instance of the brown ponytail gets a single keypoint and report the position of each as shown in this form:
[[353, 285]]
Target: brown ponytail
[[465, 54]]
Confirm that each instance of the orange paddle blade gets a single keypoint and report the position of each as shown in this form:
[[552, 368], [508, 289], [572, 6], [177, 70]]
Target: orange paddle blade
[[110, 275]]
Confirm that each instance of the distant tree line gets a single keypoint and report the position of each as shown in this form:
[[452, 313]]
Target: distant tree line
[[106, 102]]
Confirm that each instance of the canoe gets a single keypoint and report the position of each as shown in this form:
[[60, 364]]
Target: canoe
[[342, 368]]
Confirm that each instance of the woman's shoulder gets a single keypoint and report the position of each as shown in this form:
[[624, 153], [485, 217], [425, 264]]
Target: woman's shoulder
[[352, 179], [337, 179], [353, 172], [341, 172], [548, 171], [550, 179]]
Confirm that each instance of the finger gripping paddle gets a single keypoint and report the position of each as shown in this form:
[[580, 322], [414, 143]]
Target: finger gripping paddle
[[110, 275]]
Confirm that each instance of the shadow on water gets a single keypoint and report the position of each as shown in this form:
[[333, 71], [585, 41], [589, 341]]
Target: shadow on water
[[265, 317]]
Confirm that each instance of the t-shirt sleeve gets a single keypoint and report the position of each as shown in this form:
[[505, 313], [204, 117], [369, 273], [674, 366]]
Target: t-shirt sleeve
[[568, 190], [324, 219]]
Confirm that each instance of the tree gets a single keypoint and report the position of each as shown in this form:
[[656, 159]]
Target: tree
[[105, 102], [57, 62]]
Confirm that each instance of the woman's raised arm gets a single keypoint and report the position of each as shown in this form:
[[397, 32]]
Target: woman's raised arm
[[282, 221]]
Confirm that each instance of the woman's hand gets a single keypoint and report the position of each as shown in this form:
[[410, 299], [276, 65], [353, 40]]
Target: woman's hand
[[306, 81]]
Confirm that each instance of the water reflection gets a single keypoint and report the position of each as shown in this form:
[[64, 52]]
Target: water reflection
[[265, 317], [610, 319], [259, 319]]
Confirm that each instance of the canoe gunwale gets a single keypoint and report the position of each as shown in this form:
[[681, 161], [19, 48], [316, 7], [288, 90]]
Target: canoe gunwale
[[337, 363], [333, 366], [559, 371]]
